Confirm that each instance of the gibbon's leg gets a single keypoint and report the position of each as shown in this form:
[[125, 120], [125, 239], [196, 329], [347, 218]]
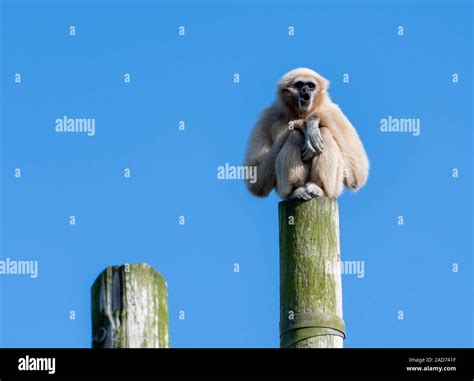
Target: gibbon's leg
[[356, 168], [291, 172], [327, 169], [261, 154], [313, 145]]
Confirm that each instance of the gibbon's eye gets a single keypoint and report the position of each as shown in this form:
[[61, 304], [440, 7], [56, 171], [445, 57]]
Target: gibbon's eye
[[311, 85], [298, 85]]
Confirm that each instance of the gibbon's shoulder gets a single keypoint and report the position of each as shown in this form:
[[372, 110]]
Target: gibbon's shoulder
[[271, 115], [330, 107]]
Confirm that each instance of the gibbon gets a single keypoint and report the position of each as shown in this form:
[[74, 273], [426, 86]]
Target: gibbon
[[303, 145]]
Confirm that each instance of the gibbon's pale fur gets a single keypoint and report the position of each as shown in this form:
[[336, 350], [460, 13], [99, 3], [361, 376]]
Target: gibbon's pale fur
[[303, 145]]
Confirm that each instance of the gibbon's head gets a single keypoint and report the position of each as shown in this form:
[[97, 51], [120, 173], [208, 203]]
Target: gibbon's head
[[302, 90]]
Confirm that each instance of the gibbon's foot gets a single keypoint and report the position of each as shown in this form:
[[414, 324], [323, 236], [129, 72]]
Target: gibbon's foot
[[313, 141], [314, 190], [301, 193]]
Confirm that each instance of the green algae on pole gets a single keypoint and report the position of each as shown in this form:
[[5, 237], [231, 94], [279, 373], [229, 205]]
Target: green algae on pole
[[310, 277], [130, 308]]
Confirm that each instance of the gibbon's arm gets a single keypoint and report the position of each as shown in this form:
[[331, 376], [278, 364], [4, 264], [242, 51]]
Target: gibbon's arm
[[356, 160], [262, 152]]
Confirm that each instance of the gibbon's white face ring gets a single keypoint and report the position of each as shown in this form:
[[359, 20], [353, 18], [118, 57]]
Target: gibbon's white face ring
[[305, 88]]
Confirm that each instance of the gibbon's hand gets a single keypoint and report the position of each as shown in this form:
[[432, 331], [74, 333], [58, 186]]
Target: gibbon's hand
[[313, 141], [297, 124]]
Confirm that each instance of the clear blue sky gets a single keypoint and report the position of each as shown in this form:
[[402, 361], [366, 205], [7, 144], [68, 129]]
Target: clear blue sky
[[190, 78]]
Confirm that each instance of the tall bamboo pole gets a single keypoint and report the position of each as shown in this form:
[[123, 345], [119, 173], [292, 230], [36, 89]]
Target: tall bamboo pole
[[130, 308], [310, 278]]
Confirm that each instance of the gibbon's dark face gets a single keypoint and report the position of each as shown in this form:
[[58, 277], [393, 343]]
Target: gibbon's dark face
[[305, 90]]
